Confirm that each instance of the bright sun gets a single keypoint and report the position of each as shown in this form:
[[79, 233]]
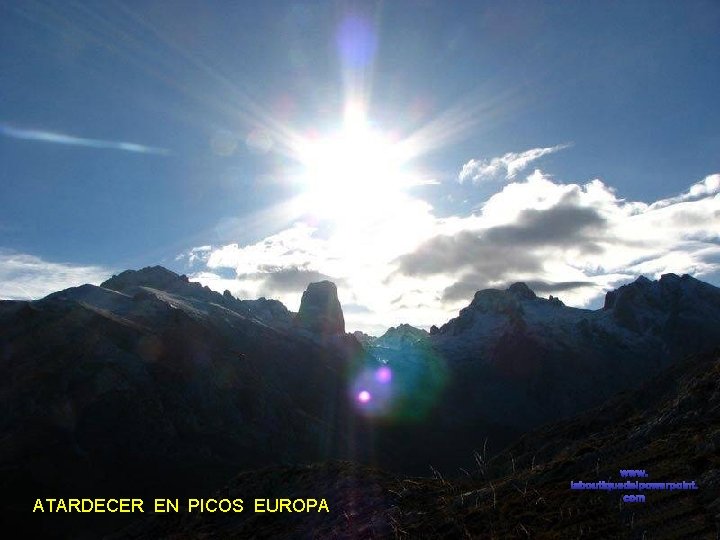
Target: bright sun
[[356, 170]]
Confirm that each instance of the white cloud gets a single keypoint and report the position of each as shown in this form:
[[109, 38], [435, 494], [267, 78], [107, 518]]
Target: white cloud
[[707, 186], [71, 140], [412, 266], [541, 230], [26, 277], [508, 165], [195, 255], [357, 256]]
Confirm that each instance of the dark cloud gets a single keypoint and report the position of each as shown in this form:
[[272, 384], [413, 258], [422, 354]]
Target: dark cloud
[[461, 290], [557, 286], [467, 250], [289, 279], [466, 288], [561, 225], [492, 254]]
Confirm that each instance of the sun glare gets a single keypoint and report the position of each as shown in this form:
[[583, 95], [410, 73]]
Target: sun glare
[[356, 170]]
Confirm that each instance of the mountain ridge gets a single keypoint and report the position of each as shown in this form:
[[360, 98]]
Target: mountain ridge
[[153, 382], [532, 358]]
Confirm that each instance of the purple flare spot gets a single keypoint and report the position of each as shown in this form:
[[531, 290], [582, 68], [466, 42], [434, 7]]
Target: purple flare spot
[[383, 375], [364, 396], [357, 42]]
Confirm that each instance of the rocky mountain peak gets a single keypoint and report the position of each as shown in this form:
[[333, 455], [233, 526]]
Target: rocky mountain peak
[[401, 335], [364, 339], [675, 280], [156, 277], [405, 328], [495, 301], [320, 310], [521, 290], [677, 306], [503, 301], [645, 291]]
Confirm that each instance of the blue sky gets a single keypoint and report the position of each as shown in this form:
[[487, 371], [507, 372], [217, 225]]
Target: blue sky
[[217, 138]]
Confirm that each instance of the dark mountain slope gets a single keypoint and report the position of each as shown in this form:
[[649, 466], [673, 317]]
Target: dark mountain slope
[[670, 427], [271, 312], [152, 385], [512, 361], [145, 392], [527, 360]]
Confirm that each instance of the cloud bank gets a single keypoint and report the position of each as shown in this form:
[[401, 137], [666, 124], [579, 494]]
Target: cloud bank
[[26, 277], [573, 239]]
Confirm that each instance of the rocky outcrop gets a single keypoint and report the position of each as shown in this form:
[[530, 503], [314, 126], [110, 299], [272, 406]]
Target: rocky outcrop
[[521, 290], [320, 311], [157, 278], [401, 336], [364, 339], [507, 302], [683, 310]]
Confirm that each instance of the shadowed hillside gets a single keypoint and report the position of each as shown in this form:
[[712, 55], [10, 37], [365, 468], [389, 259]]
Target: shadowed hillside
[[151, 385], [670, 427]]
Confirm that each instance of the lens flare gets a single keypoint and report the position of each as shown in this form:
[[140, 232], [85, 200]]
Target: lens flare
[[357, 42], [405, 390], [383, 375]]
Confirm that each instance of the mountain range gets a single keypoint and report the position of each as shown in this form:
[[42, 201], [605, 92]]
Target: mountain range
[[151, 383]]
